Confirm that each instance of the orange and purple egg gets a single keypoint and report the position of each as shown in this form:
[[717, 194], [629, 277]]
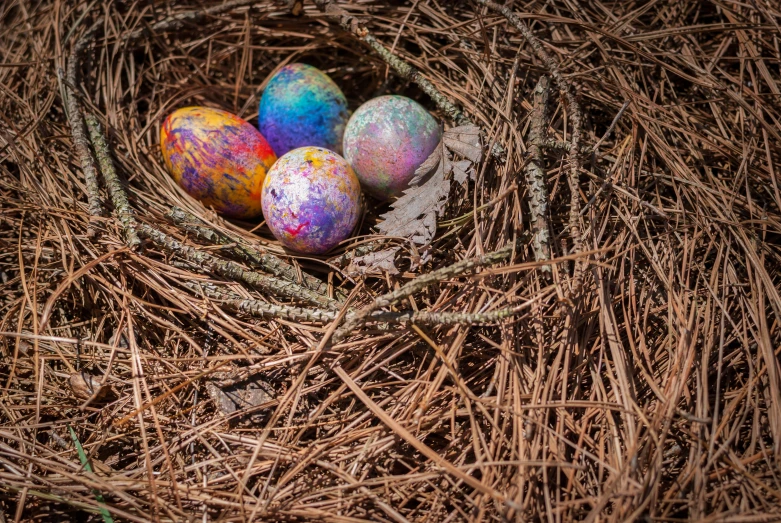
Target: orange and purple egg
[[301, 106], [217, 158], [386, 140], [311, 200]]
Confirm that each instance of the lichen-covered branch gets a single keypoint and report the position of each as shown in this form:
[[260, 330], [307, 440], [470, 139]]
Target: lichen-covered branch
[[535, 173], [575, 116], [247, 253], [418, 284], [72, 80], [81, 145], [113, 183], [401, 67], [558, 145], [79, 130], [234, 271], [444, 318], [439, 275], [263, 309]]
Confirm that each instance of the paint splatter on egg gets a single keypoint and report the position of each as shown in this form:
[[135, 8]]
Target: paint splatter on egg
[[311, 200], [301, 106], [386, 140], [217, 158]]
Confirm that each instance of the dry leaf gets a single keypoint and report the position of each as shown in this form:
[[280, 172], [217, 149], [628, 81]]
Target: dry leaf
[[85, 386], [242, 396], [463, 170], [414, 214], [122, 340], [432, 165], [464, 140], [374, 263], [25, 348]]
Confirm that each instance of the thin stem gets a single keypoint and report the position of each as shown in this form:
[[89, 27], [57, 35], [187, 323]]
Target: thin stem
[[402, 67], [418, 284], [234, 271], [248, 253], [262, 309], [113, 183], [575, 116], [78, 129], [535, 174]]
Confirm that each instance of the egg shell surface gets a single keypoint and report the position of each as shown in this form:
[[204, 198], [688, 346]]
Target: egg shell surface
[[301, 106], [386, 140], [217, 158], [311, 200]]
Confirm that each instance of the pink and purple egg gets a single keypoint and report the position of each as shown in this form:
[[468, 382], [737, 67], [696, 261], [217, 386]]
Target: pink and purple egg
[[311, 200], [386, 140], [301, 106], [217, 158]]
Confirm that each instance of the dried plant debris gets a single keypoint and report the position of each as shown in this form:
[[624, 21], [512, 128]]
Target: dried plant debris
[[465, 141], [654, 391], [118, 339], [241, 398], [414, 214], [374, 263], [86, 386]]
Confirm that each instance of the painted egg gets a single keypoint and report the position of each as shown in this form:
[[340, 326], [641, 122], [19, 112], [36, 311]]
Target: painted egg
[[311, 200], [301, 106], [217, 158], [386, 140]]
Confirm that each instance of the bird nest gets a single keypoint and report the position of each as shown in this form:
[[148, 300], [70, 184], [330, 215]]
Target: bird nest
[[572, 314]]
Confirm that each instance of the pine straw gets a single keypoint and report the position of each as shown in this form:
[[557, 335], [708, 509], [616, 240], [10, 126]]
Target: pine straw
[[653, 392]]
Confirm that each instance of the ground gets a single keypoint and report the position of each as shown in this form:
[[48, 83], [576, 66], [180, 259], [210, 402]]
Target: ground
[[160, 362]]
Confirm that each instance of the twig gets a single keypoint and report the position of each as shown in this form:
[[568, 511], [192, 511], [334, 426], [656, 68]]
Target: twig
[[113, 183], [575, 116], [234, 271], [75, 118], [402, 68], [80, 144], [418, 284], [247, 253], [445, 318], [554, 144], [344, 259], [612, 126], [535, 173], [78, 129], [263, 309], [560, 145], [406, 71]]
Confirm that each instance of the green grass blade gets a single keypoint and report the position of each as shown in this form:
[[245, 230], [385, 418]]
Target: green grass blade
[[85, 463]]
